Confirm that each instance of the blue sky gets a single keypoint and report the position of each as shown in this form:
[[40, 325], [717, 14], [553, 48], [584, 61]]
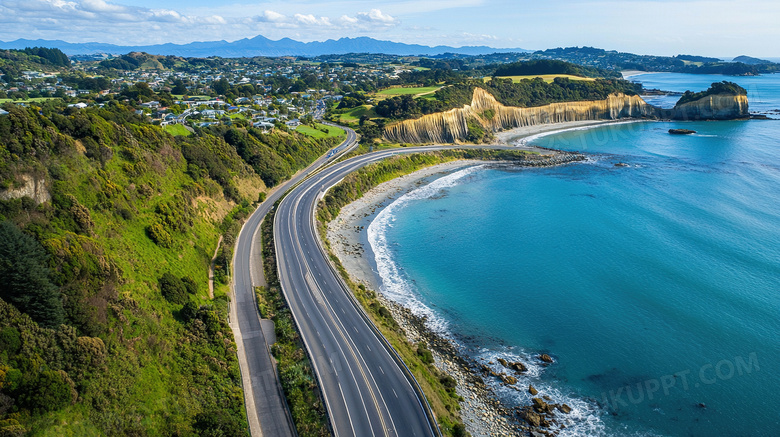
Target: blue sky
[[662, 27]]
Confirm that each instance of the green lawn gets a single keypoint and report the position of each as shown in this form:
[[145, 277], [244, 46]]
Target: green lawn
[[353, 115], [408, 90], [317, 133], [547, 77], [177, 130]]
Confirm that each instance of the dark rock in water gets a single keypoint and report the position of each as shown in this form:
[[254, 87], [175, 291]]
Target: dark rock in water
[[532, 418], [532, 390], [517, 366], [702, 405], [681, 131], [511, 380], [541, 406], [502, 362], [621, 164], [546, 358], [565, 409], [759, 117]]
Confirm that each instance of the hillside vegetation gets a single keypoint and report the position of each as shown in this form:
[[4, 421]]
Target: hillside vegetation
[[106, 327], [548, 66]]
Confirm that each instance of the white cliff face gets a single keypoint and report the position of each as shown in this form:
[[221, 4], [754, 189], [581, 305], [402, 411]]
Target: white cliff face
[[714, 107], [32, 188], [451, 126]]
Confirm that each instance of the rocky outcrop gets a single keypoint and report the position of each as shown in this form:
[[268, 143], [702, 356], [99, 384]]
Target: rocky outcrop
[[452, 126], [713, 107], [33, 188]]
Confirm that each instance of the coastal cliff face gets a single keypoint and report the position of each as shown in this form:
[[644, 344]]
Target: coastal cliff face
[[32, 188], [714, 107], [452, 126]]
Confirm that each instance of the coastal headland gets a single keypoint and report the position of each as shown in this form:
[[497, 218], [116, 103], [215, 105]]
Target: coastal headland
[[723, 101]]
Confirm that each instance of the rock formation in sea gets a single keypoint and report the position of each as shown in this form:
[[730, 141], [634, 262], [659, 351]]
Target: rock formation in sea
[[452, 126], [713, 107]]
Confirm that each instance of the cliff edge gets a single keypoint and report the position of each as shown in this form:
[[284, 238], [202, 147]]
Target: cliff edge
[[722, 101], [713, 107], [485, 112]]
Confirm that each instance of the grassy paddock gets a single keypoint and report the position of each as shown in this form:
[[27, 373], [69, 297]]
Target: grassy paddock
[[317, 133], [33, 100], [408, 90], [353, 115], [177, 130]]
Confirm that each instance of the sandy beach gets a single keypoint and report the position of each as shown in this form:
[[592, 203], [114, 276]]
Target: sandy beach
[[482, 412]]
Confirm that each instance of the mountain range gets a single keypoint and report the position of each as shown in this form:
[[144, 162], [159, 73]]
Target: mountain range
[[259, 46]]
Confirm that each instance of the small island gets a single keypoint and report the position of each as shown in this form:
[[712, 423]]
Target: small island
[[681, 131]]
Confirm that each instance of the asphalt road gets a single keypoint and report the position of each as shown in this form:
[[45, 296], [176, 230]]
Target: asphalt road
[[266, 409], [365, 388]]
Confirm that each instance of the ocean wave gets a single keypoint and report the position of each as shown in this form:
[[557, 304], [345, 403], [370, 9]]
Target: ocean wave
[[395, 284]]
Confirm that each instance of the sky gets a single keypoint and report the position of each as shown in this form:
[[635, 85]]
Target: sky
[[660, 27]]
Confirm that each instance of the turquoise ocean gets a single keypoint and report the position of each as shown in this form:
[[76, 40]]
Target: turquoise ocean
[[654, 286]]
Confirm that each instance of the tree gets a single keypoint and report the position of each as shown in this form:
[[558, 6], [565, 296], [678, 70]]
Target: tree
[[24, 277], [179, 87], [221, 86]]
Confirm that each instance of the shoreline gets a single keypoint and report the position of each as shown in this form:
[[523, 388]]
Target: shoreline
[[521, 136], [482, 411]]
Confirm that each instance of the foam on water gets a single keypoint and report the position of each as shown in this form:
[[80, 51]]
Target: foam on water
[[585, 416], [395, 284]]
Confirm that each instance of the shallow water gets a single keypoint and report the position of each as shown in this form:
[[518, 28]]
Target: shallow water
[[654, 286]]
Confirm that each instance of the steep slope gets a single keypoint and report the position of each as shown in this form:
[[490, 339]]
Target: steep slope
[[487, 113], [111, 330]]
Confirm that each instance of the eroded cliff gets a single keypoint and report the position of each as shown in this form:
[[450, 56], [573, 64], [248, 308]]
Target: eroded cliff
[[486, 112], [713, 107]]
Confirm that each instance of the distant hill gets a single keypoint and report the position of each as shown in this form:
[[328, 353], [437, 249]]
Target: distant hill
[[259, 46], [751, 60], [615, 60]]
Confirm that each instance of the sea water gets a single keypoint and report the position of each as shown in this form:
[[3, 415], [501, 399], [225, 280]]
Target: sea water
[[654, 285]]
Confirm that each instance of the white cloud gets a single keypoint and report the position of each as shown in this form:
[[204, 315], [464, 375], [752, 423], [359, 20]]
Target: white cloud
[[271, 17], [311, 20], [376, 16]]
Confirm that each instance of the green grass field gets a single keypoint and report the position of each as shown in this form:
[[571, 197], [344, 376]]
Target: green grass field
[[408, 90], [33, 100], [317, 133], [353, 115], [546, 77], [177, 130]]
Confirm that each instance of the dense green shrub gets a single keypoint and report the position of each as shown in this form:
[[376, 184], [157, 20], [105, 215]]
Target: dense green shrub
[[173, 289]]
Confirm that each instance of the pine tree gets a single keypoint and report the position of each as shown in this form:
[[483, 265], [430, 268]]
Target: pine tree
[[24, 277]]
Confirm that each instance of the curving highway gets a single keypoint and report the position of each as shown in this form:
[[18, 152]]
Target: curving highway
[[365, 386], [267, 412]]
